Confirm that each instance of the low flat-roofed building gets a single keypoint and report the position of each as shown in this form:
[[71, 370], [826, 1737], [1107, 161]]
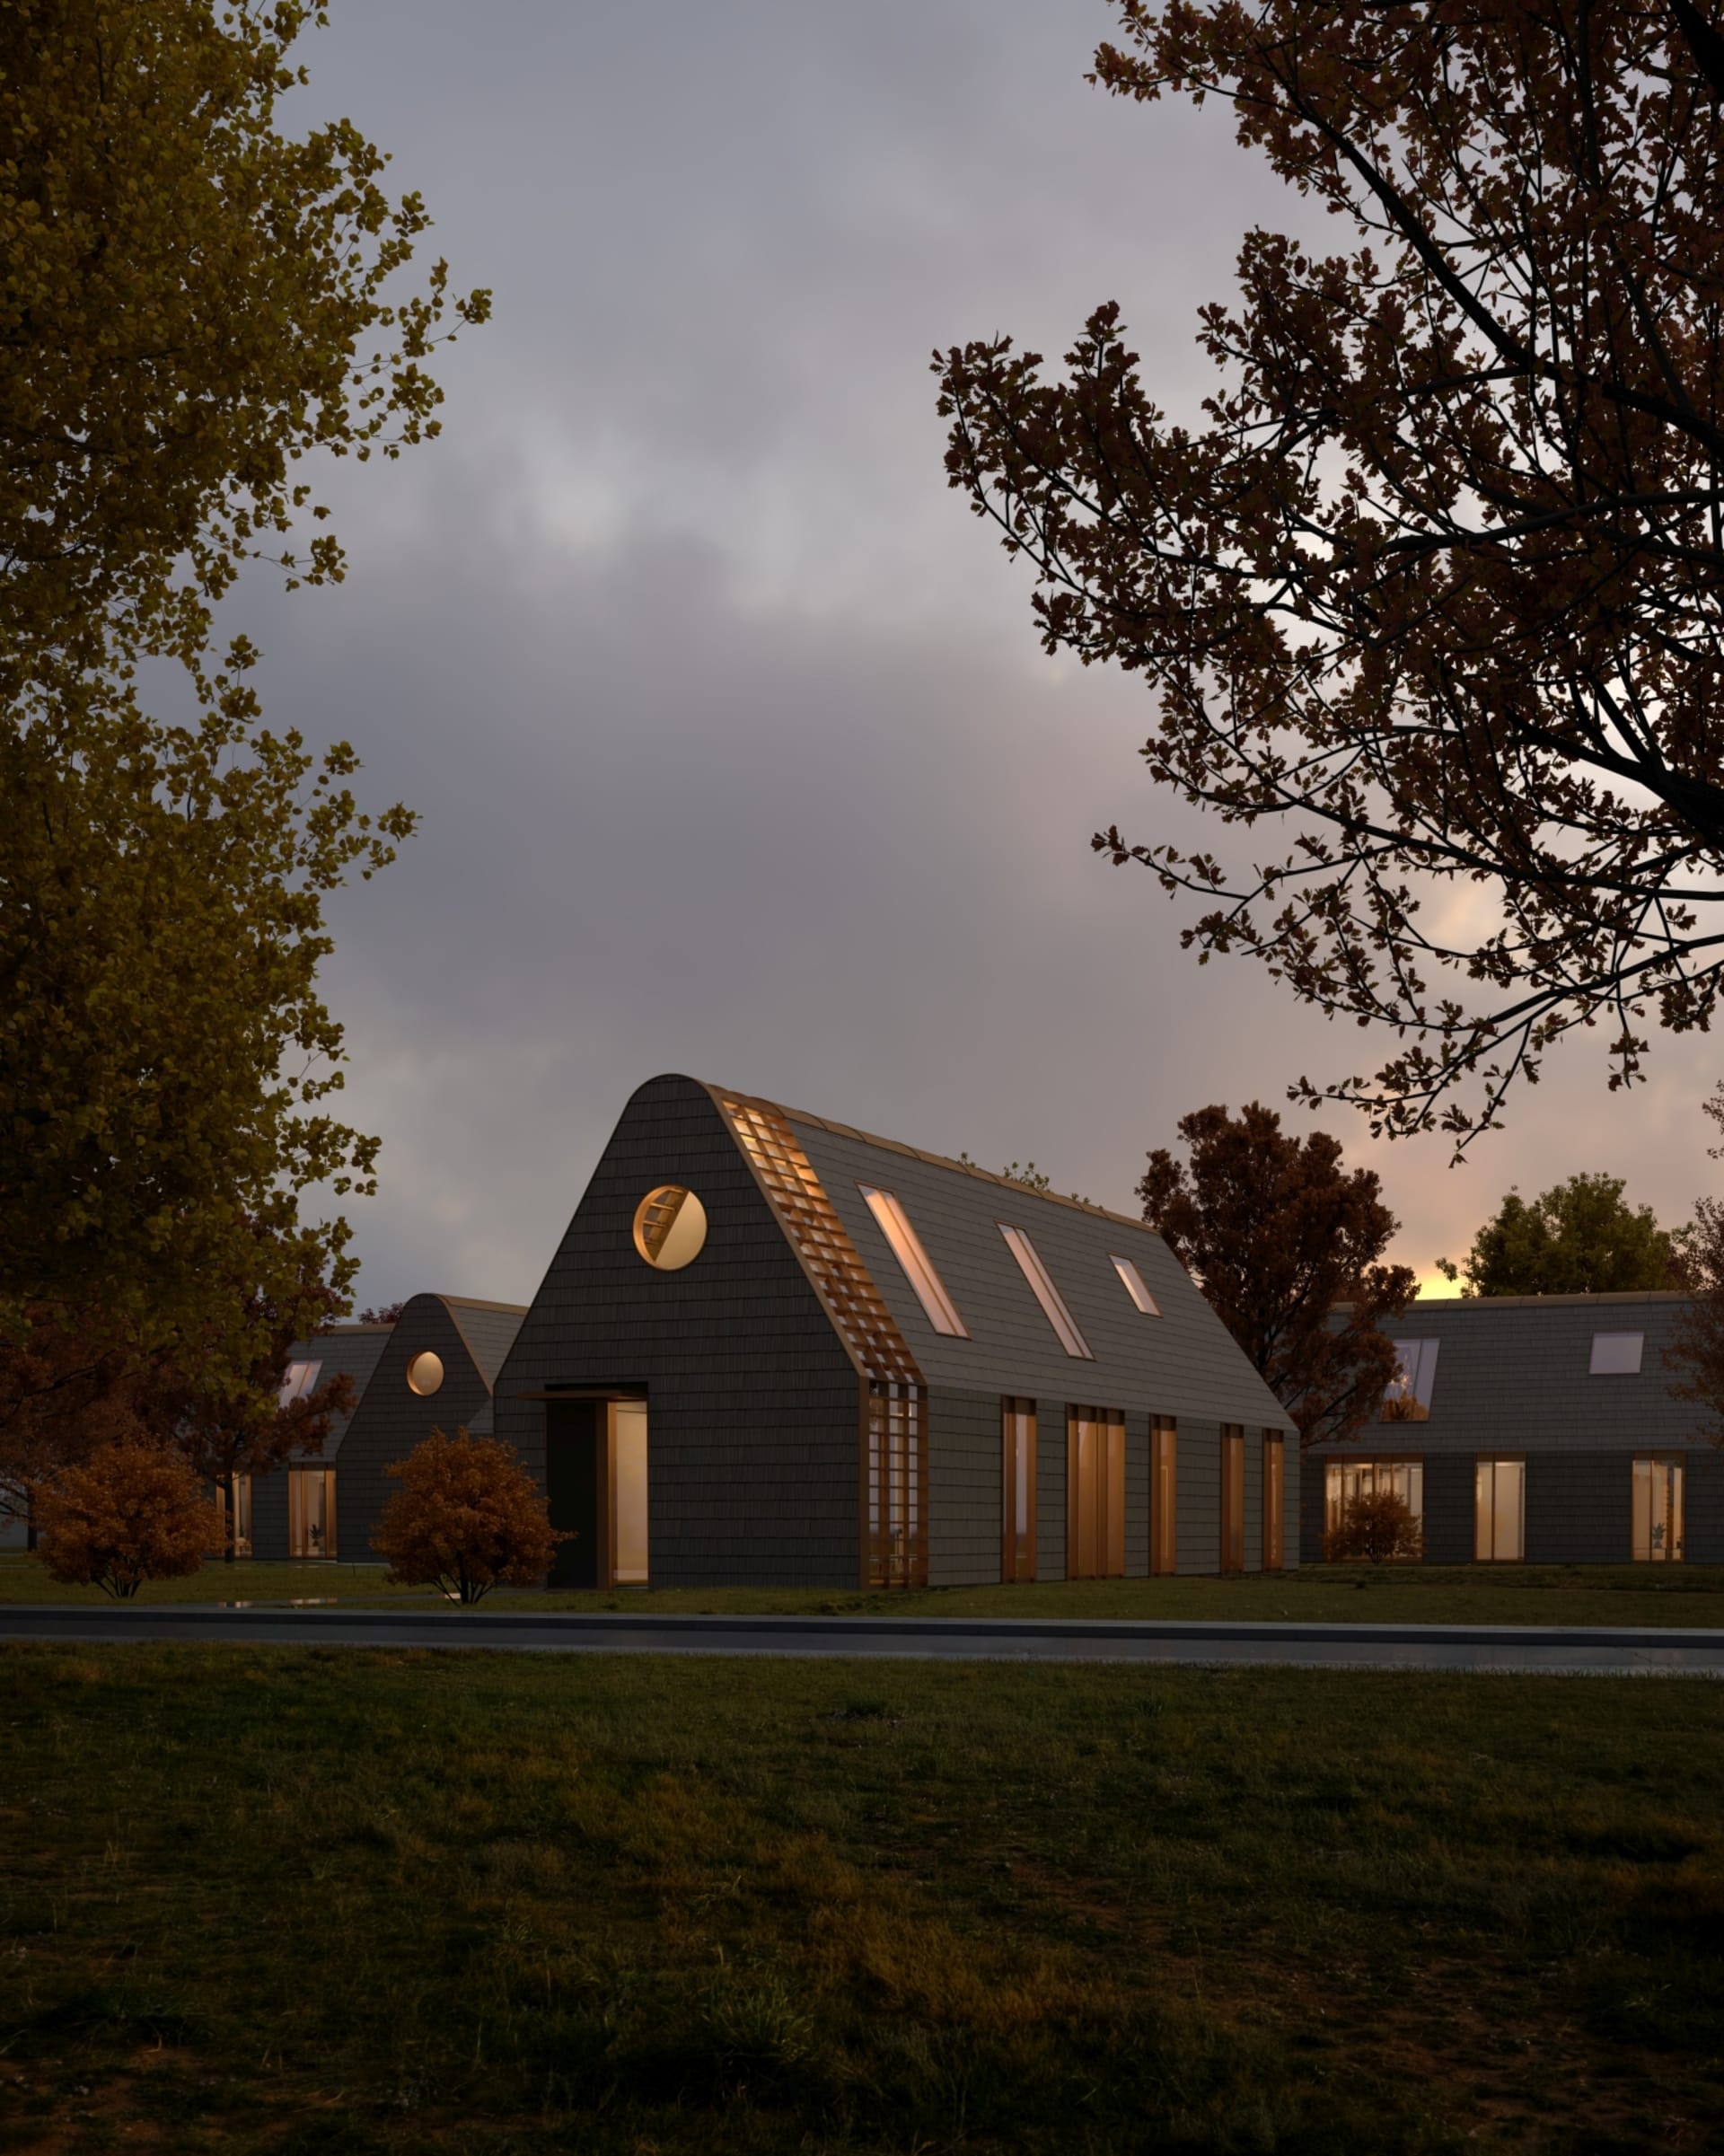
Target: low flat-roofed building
[[1538, 1429], [774, 1350]]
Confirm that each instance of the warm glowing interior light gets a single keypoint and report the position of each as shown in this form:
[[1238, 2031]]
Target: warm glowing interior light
[[670, 1228], [425, 1374], [1049, 1297], [628, 1439], [919, 1271], [1137, 1287]]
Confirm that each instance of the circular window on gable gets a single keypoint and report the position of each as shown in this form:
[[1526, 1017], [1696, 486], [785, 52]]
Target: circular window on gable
[[425, 1374], [670, 1228]]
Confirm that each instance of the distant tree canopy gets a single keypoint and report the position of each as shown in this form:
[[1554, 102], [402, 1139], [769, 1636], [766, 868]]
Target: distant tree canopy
[[1580, 1237], [1431, 598], [193, 302], [1278, 1233]]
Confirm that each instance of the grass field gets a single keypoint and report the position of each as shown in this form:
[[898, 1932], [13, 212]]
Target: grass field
[[337, 1904], [1689, 1595]]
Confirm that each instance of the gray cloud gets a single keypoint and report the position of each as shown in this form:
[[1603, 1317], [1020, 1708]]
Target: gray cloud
[[734, 746]]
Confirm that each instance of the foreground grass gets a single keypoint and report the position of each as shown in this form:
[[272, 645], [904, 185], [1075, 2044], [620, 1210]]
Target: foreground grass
[[307, 1901], [1616, 1595]]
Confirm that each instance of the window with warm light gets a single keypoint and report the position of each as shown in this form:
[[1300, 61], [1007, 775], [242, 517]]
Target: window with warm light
[[1345, 1480], [918, 1267], [1137, 1287], [1094, 1493], [1053, 1305], [1274, 1499], [1017, 1445], [629, 1534], [1232, 1498], [1498, 1511], [670, 1228], [425, 1374], [311, 1512], [1164, 1497], [1657, 1512]]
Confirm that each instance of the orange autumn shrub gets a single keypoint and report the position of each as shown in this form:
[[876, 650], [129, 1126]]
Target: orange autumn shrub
[[467, 1517], [132, 1511], [1379, 1527]]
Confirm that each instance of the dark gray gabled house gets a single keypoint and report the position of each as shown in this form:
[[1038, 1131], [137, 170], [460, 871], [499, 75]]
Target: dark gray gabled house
[[433, 1368], [772, 1348], [1538, 1429]]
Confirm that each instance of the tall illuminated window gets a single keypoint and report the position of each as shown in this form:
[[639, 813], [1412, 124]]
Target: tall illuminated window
[[629, 1537], [1053, 1306], [1498, 1511], [1274, 1499], [918, 1266], [311, 1512], [1017, 1448], [1094, 1493], [1657, 1512], [896, 1483], [1232, 1498], [1164, 1497]]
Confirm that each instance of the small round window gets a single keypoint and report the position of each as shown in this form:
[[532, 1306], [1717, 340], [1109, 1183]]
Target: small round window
[[670, 1228], [425, 1374]]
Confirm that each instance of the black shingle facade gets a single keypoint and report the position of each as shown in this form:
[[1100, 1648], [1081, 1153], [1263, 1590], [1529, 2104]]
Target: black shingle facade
[[1514, 1380], [759, 1360]]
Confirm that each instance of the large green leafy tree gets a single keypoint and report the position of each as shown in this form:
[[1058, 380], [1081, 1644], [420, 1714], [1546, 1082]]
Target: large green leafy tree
[[193, 303], [1430, 596], [1580, 1237]]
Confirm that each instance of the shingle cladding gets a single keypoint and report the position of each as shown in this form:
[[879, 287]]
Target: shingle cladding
[[1183, 1363], [1514, 1378], [754, 1398], [753, 1460], [350, 1351]]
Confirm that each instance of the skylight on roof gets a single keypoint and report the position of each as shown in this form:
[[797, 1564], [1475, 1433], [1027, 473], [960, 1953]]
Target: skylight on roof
[[919, 1267], [1136, 1286], [299, 1380], [1049, 1297], [1616, 1354]]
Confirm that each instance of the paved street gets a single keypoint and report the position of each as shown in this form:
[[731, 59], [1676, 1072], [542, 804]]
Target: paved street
[[1631, 1651]]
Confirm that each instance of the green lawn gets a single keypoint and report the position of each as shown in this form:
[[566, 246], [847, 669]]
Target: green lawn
[[323, 1902], [1690, 1595]]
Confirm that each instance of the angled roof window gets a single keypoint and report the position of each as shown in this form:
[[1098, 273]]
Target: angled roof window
[[1616, 1354], [1137, 1287], [1408, 1399], [301, 1378], [918, 1268], [1049, 1297]]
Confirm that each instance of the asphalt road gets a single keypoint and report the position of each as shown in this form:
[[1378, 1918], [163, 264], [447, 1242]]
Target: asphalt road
[[1636, 1650]]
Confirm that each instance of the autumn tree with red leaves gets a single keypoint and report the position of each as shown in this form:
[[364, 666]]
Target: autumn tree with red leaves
[[1285, 1243], [131, 1512], [1431, 597], [468, 1516], [1379, 1527]]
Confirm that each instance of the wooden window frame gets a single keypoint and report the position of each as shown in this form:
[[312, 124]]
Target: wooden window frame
[[894, 1452], [1041, 1283], [1106, 1498], [296, 1478], [1016, 1565], [1274, 1501], [1164, 1497], [1233, 1497]]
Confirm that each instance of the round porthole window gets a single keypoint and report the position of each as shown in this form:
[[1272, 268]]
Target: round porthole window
[[670, 1228], [425, 1374]]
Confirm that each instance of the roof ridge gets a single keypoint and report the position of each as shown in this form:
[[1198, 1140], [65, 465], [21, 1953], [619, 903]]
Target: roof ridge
[[938, 1160]]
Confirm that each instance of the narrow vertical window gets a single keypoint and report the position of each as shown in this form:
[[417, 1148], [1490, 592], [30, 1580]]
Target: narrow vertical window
[[1274, 1499], [894, 1481], [1017, 1447], [1232, 1498], [1657, 1512], [918, 1266], [1053, 1306], [628, 1526], [1500, 1511], [1164, 1497], [1094, 1493], [311, 1512]]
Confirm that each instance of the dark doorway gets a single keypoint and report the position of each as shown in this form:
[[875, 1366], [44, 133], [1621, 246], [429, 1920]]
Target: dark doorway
[[574, 1447]]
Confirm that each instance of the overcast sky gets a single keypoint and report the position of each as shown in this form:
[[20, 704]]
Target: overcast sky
[[733, 747]]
